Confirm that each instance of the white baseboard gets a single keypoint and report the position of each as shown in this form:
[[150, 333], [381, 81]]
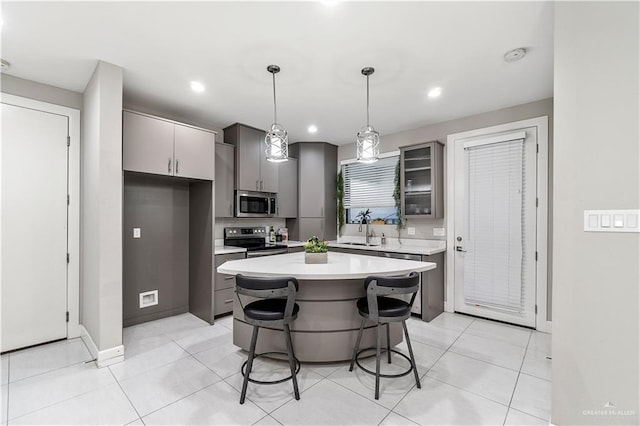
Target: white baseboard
[[103, 358]]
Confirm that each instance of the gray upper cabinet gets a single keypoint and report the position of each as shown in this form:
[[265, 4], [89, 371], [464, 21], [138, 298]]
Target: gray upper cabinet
[[311, 180], [253, 172], [225, 165], [193, 153], [147, 144], [288, 188], [159, 146], [421, 182]]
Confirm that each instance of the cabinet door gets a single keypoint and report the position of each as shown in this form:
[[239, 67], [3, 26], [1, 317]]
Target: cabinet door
[[288, 188], [224, 179], [147, 144], [193, 152], [311, 175], [248, 151], [310, 227], [268, 170]]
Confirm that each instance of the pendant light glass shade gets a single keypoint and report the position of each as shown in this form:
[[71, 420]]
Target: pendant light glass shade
[[276, 139], [368, 140]]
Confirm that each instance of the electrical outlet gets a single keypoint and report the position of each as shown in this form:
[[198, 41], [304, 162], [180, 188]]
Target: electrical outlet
[[411, 230], [148, 298], [136, 232], [438, 232]]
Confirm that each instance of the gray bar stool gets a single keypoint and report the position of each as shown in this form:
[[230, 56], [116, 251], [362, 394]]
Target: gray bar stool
[[385, 310], [277, 308]]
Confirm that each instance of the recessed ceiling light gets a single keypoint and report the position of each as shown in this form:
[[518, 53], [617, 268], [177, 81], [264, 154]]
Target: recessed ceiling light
[[312, 129], [435, 92], [197, 87], [515, 54]]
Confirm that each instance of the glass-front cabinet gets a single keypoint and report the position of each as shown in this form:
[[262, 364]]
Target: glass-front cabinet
[[421, 180]]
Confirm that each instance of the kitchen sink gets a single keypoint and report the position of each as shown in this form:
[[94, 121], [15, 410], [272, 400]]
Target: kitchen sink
[[360, 244]]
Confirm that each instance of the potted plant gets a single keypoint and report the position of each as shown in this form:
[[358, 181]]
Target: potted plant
[[398, 201], [378, 221], [340, 202], [365, 216], [315, 251]]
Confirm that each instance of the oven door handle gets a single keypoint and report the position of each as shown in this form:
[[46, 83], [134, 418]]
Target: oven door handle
[[261, 253]]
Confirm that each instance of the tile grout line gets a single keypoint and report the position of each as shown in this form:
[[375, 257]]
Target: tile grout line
[[125, 394], [432, 365], [517, 379]]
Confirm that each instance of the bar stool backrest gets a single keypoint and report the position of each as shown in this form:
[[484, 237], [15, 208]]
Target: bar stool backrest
[[269, 288], [386, 286]]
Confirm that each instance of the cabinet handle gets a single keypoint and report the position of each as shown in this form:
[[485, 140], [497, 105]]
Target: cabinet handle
[[169, 166], [230, 209], [321, 211], [261, 185], [257, 185], [230, 277], [228, 301], [177, 165]]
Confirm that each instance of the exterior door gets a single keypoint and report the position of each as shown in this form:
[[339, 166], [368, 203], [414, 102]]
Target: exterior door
[[495, 226], [34, 226]]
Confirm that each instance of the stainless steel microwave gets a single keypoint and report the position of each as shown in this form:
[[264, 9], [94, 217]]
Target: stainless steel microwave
[[255, 204]]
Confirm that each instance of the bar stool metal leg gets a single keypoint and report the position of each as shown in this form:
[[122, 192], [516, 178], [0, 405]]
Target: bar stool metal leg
[[378, 362], [252, 351], [357, 347], [292, 365], [388, 344], [413, 361]]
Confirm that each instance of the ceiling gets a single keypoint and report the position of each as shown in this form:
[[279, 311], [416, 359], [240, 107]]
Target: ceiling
[[320, 46]]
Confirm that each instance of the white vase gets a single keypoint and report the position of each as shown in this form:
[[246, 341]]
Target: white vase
[[315, 257]]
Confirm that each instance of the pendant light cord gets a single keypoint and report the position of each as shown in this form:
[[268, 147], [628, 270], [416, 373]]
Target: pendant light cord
[[367, 101], [275, 114]]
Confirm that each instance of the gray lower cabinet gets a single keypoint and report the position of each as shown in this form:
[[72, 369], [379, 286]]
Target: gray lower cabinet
[[224, 285], [155, 145], [296, 249], [225, 166], [433, 288], [288, 189], [354, 251]]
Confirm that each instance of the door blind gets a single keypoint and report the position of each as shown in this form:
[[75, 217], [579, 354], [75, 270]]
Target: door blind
[[494, 263], [369, 185]]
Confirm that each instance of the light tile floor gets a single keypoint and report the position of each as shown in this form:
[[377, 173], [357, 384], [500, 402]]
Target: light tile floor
[[180, 370]]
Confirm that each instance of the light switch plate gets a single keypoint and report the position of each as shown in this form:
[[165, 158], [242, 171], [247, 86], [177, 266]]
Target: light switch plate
[[611, 220], [438, 232], [136, 232], [411, 230]]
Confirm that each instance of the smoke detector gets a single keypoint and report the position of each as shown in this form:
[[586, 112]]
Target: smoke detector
[[4, 64], [515, 54]]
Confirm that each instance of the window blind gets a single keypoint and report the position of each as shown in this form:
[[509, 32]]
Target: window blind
[[494, 265], [369, 185]]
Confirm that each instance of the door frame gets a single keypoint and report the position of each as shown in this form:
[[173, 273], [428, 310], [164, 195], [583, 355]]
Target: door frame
[[542, 193], [73, 226]]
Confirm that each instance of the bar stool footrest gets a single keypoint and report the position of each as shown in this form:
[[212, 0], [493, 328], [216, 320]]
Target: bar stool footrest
[[272, 382], [373, 373]]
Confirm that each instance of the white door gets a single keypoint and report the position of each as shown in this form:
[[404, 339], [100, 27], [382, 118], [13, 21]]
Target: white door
[[34, 226], [495, 226]]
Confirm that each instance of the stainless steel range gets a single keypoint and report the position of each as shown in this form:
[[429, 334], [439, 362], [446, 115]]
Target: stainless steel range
[[253, 239]]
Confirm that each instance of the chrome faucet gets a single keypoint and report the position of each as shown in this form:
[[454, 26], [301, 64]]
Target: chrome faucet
[[368, 235]]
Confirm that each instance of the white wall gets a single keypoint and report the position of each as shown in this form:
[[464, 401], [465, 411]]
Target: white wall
[[41, 92], [101, 239], [596, 278]]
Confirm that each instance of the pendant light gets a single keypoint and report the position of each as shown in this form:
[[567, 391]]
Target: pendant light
[[276, 139], [368, 142]]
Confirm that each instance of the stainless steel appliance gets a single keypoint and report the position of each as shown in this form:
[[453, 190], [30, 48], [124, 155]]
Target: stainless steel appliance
[[417, 304], [253, 239], [256, 204]]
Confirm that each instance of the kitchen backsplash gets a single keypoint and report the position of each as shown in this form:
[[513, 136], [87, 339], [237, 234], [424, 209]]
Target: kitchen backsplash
[[423, 229]]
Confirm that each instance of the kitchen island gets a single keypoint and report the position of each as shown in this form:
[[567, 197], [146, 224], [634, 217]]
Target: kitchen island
[[328, 322]]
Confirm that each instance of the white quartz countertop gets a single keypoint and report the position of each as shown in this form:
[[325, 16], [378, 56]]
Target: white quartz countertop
[[228, 250], [339, 266], [423, 247]]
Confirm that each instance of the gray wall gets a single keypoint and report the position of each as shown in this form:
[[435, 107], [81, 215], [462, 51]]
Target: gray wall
[[597, 161], [159, 260], [101, 208], [41, 92]]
